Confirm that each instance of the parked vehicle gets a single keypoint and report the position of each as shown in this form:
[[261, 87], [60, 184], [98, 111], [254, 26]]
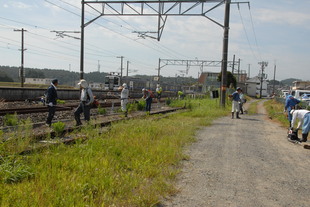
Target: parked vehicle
[[299, 93], [305, 97]]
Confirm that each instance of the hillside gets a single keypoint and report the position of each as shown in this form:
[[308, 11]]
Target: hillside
[[71, 78]]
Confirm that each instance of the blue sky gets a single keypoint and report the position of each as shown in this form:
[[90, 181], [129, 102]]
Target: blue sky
[[274, 31]]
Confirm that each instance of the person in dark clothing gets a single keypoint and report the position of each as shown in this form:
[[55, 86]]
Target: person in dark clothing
[[235, 103], [51, 101], [147, 96]]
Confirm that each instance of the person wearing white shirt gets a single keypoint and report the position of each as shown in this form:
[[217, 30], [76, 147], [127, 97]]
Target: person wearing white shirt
[[124, 98], [304, 119]]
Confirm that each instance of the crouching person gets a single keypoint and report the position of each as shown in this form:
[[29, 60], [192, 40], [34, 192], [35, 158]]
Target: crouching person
[[86, 101], [304, 119]]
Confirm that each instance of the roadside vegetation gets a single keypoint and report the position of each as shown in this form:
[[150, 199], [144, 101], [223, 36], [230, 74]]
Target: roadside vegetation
[[133, 163], [275, 111]]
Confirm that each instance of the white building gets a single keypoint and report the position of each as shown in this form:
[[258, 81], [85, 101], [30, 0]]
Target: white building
[[94, 85], [45, 81], [253, 87]]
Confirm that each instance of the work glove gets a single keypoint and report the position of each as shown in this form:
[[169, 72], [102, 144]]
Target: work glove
[[50, 104]]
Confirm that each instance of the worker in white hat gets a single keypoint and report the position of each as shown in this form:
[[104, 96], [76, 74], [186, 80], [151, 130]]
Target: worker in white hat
[[124, 98], [86, 101]]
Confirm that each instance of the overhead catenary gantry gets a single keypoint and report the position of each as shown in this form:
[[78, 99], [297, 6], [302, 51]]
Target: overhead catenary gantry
[[188, 63], [162, 9]]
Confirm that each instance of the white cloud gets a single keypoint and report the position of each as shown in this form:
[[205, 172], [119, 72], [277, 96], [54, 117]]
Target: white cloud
[[282, 17], [21, 5]]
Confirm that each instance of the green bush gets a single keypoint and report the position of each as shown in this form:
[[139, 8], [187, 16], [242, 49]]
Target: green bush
[[10, 120], [141, 105], [13, 170], [58, 128], [131, 107], [168, 101], [101, 110]]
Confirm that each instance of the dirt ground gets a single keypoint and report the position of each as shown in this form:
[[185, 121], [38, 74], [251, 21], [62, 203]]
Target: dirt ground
[[244, 163]]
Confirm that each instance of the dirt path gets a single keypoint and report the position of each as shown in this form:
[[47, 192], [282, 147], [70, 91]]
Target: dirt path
[[244, 163]]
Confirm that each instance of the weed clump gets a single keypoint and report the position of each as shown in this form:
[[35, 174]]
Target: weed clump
[[14, 170], [101, 111], [58, 128], [10, 120]]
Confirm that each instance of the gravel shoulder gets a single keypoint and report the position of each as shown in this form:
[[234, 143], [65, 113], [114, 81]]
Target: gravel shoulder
[[245, 162]]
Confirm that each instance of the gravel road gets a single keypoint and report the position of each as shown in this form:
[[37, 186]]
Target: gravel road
[[244, 163]]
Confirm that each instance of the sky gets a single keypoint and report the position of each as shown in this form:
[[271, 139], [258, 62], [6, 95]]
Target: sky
[[259, 30]]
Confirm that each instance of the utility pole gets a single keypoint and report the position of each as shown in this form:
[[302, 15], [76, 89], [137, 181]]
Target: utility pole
[[121, 57], [233, 66], [238, 70], [98, 66], [263, 65], [82, 42], [158, 74], [22, 76], [274, 78], [249, 70], [127, 68], [225, 53]]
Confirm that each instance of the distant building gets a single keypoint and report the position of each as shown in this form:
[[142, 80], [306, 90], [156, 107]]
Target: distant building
[[209, 80], [253, 87], [241, 77], [45, 81], [301, 85]]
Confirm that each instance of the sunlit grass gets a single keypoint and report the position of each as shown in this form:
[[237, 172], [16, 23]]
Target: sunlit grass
[[252, 109], [275, 111], [134, 163]]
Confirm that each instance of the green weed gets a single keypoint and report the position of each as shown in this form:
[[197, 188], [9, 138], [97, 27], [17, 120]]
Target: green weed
[[101, 110], [58, 128], [14, 170], [275, 112], [10, 120], [60, 101]]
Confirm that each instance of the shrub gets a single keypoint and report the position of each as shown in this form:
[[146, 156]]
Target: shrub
[[101, 110], [141, 105], [58, 128], [168, 101], [10, 120], [131, 107]]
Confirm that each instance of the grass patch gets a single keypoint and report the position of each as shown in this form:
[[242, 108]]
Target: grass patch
[[58, 128], [10, 120], [253, 107], [275, 111], [133, 164]]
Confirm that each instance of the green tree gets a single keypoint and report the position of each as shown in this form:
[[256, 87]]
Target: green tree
[[5, 78], [231, 79], [34, 73]]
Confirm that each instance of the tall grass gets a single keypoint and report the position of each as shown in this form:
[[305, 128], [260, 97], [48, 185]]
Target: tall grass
[[133, 164], [275, 111]]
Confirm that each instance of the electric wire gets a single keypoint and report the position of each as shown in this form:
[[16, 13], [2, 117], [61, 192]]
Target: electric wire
[[246, 34], [259, 52]]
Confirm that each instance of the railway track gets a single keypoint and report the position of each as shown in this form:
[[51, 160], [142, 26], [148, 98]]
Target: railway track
[[42, 109]]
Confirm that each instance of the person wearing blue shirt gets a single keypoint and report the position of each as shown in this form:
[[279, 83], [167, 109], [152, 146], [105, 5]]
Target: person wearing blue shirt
[[235, 103], [290, 103]]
